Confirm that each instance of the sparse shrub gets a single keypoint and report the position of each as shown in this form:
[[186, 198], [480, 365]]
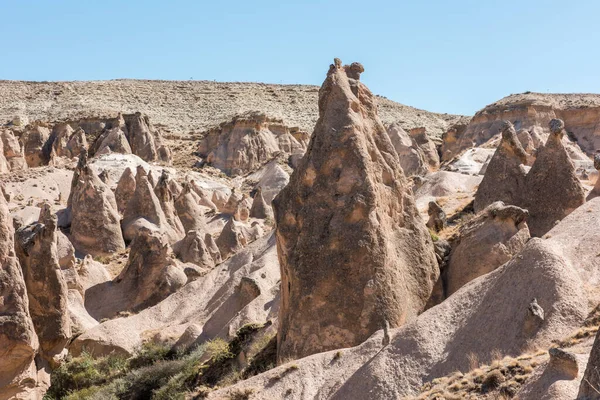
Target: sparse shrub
[[337, 356], [492, 381], [473, 361], [241, 394], [149, 354]]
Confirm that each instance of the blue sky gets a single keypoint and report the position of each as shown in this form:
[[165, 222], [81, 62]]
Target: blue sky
[[445, 56]]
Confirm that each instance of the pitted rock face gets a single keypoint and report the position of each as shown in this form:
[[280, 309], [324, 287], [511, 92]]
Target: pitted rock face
[[504, 178], [125, 189], [36, 247], [18, 342], [167, 203], [352, 248], [95, 225]]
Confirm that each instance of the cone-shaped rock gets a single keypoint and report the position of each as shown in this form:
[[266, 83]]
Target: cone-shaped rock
[[12, 151], [61, 134], [204, 197], [588, 388], [140, 137], [112, 141], [189, 210], [34, 140], [260, 208], [36, 247], [18, 341], [213, 249], [144, 208], [192, 249], [165, 198], [353, 251], [504, 178], [125, 189], [231, 239], [553, 189], [95, 221]]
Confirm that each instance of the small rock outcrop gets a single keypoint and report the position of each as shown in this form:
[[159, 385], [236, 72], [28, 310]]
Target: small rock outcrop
[[352, 247], [12, 151], [564, 363], [18, 341], [231, 239], [189, 210], [67, 142], [553, 189], [213, 249], [151, 273], [486, 242], [595, 192], [34, 138], [144, 210], [437, 217], [145, 141], [95, 220], [192, 249], [167, 204], [412, 159], [260, 209], [125, 189], [504, 179], [112, 140], [245, 143], [427, 147], [36, 247]]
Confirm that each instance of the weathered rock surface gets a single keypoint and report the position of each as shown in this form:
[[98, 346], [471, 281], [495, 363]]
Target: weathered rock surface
[[12, 151], [18, 340], [34, 138], [125, 190], [192, 249], [486, 242], [504, 179], [412, 159], [437, 217], [347, 223], [588, 389], [167, 204], [145, 141], [552, 187], [189, 210], [427, 147], [245, 143], [95, 224], [260, 208], [231, 239], [36, 247]]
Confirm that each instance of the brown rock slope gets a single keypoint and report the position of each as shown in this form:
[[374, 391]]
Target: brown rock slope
[[354, 253], [185, 106]]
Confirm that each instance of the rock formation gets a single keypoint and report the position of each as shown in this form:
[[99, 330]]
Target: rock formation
[[189, 210], [504, 179], [260, 208], [36, 247], [589, 388], [427, 147], [486, 242], [204, 198], [553, 189], [192, 249], [231, 239], [595, 192], [112, 140], [125, 189], [412, 159], [213, 249], [18, 340], [451, 146], [95, 220], [4, 165], [248, 141], [34, 139], [151, 273], [347, 223], [167, 204], [437, 217], [145, 142], [12, 151], [144, 210]]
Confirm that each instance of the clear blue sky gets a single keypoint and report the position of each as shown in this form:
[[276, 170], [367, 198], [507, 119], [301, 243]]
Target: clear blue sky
[[446, 56]]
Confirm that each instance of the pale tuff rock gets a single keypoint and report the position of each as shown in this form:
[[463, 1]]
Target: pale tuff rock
[[167, 204], [95, 223], [245, 143], [151, 179], [175, 188], [552, 187], [204, 198], [125, 189], [4, 165], [595, 192], [486, 242], [112, 141], [271, 179], [151, 273], [451, 139], [189, 210], [347, 223], [144, 210], [145, 141], [231, 239], [36, 247], [504, 179], [260, 209], [18, 341], [563, 363], [105, 178], [66, 142], [590, 384], [34, 139], [233, 202], [437, 217], [192, 249], [422, 141], [412, 159], [213, 249], [12, 151]]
